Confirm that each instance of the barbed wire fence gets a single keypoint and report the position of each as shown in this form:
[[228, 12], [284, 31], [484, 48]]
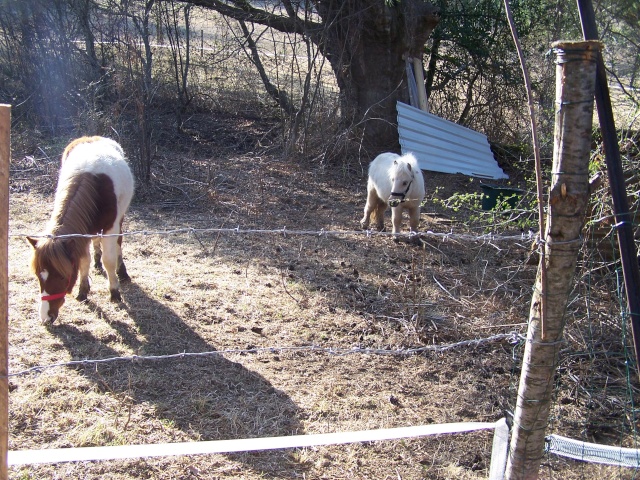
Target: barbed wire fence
[[488, 238], [483, 238], [512, 338], [525, 240]]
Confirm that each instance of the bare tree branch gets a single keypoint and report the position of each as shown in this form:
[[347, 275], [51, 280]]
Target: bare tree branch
[[242, 10]]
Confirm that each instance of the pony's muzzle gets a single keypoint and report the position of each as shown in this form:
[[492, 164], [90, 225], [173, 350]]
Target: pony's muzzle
[[394, 201], [48, 318], [49, 311]]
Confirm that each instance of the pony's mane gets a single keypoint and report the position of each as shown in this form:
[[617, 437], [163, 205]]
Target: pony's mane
[[75, 206], [73, 212], [404, 164], [56, 254]]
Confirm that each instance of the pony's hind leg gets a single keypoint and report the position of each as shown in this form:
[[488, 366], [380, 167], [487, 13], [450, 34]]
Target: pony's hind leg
[[372, 200], [110, 250], [381, 207], [83, 271], [123, 276], [97, 255]]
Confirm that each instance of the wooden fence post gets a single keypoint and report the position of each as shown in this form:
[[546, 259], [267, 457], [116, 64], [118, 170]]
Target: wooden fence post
[[418, 71], [5, 156], [568, 201]]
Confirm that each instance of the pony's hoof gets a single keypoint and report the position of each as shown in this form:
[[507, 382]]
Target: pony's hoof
[[121, 272], [115, 296], [415, 238], [82, 297]]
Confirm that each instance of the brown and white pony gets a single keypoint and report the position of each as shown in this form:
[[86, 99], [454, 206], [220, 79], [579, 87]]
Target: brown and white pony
[[394, 181], [95, 187]]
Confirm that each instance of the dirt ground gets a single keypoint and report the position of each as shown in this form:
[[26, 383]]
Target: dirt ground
[[249, 294]]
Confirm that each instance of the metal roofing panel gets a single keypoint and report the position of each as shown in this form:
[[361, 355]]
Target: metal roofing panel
[[443, 146]]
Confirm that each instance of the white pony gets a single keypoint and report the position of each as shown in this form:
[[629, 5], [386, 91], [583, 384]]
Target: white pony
[[394, 181]]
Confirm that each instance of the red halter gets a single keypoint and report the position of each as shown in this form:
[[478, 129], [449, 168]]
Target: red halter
[[56, 296]]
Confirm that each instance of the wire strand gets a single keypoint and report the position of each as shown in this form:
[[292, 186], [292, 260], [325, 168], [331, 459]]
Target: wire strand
[[487, 237], [512, 337]]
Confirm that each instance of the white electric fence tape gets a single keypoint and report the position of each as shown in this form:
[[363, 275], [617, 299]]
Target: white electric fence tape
[[592, 452], [59, 455]]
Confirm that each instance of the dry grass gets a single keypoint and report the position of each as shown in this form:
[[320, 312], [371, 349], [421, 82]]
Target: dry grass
[[241, 291]]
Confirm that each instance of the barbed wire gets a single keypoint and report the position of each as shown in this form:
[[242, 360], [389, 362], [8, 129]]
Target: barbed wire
[[512, 337], [486, 237]]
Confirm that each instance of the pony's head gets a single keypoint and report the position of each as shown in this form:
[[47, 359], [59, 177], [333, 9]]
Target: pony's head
[[402, 176], [57, 273]]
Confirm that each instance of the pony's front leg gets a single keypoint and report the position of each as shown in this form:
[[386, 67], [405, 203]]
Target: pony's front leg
[[83, 271], [414, 218], [396, 219], [110, 260]]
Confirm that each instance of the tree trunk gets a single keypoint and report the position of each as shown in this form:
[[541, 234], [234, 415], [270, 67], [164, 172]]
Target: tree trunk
[[431, 67], [82, 9], [568, 199], [143, 82], [366, 43], [278, 95]]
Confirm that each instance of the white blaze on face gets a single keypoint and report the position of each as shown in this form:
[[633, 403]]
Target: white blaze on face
[[44, 308], [44, 305]]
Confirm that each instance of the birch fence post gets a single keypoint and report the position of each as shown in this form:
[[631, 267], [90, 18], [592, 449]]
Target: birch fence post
[[567, 206], [5, 155]]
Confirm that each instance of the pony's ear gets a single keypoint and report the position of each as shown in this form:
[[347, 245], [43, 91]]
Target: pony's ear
[[32, 241], [409, 166]]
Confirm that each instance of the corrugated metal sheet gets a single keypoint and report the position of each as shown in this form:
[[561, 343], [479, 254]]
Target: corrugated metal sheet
[[443, 146]]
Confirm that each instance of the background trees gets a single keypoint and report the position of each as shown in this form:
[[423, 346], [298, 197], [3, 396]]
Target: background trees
[[329, 73], [364, 43]]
